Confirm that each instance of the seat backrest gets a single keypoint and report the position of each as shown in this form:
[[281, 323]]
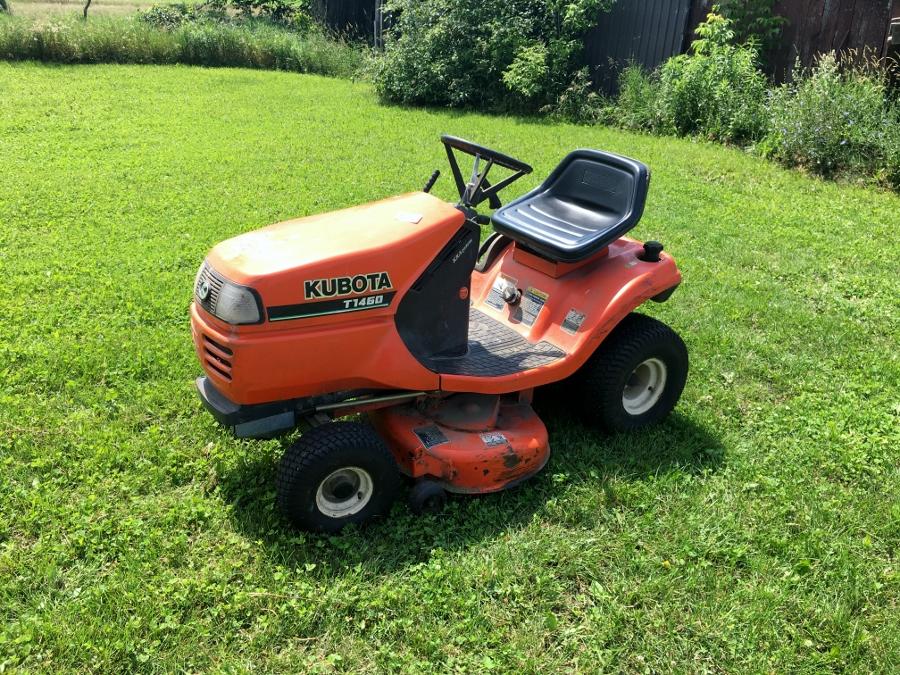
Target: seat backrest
[[589, 200], [594, 182]]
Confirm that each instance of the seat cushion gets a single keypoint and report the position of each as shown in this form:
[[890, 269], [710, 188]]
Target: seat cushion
[[591, 199]]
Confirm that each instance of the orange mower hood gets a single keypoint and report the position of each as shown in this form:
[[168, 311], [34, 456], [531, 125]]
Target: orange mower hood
[[341, 240]]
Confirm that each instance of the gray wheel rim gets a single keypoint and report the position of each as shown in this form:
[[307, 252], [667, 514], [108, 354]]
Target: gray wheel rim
[[644, 386], [344, 492]]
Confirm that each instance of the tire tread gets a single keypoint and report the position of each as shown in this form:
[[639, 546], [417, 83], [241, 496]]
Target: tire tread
[[315, 447], [599, 379]]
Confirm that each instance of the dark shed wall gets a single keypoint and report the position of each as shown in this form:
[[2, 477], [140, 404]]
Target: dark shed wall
[[349, 17], [646, 32]]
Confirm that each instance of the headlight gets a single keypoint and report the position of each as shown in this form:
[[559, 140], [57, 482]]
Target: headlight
[[226, 300]]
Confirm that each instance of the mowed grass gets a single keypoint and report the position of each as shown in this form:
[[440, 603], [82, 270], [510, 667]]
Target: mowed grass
[[756, 530]]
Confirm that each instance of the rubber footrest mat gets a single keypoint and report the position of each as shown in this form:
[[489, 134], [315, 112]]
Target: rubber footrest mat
[[496, 350]]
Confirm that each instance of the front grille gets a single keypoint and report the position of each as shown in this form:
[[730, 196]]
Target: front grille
[[212, 278], [218, 358]]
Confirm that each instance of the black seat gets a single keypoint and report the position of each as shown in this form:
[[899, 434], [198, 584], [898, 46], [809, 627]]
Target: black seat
[[591, 199]]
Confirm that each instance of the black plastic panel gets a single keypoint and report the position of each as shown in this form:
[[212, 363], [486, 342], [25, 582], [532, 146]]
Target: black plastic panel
[[433, 316]]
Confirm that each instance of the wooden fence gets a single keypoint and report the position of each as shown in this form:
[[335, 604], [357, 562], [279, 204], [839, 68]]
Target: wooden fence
[[817, 26]]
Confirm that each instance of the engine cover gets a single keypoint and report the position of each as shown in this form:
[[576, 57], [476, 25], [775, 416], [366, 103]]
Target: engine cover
[[330, 286]]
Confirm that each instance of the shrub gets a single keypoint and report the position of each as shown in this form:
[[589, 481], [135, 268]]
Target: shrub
[[716, 91], [519, 54], [177, 14], [836, 118], [291, 14]]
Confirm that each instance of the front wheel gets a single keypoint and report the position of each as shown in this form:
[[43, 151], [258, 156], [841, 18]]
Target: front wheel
[[336, 474], [635, 377]]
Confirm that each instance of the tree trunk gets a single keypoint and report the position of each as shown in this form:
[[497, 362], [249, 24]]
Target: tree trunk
[[87, 4]]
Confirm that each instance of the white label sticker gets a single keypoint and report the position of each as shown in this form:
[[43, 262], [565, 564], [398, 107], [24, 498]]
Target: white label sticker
[[493, 438], [495, 297], [573, 321]]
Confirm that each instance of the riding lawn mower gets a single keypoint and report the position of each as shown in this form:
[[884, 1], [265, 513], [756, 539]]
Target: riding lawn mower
[[394, 313]]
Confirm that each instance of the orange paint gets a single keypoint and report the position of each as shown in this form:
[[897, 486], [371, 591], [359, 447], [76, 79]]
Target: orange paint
[[290, 359], [509, 450]]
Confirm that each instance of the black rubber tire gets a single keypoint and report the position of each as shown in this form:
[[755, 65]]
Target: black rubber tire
[[323, 450], [600, 382], [427, 496]]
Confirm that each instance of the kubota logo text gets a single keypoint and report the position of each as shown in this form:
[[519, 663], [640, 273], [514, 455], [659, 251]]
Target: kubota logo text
[[337, 286]]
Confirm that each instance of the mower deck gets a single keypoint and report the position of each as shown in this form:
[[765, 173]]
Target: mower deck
[[496, 350], [468, 443]]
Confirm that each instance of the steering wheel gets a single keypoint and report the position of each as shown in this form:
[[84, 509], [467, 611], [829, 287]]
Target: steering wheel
[[477, 189]]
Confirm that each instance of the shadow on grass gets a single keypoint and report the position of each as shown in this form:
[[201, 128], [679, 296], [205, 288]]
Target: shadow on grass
[[581, 458]]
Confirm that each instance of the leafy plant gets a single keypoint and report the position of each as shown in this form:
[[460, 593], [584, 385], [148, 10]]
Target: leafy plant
[[836, 118], [716, 91], [528, 72], [753, 21], [169, 16], [289, 13], [578, 102], [518, 54], [292, 14]]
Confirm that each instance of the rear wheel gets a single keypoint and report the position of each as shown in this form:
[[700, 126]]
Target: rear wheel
[[635, 377], [336, 474]]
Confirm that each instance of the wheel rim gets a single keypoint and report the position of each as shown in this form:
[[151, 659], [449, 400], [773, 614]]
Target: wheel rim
[[644, 386], [344, 492]]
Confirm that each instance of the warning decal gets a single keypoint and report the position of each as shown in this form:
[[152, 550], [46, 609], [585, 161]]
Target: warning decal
[[495, 297], [573, 321], [493, 438], [431, 436], [532, 303]]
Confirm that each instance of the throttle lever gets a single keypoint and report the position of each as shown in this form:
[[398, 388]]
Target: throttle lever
[[432, 181]]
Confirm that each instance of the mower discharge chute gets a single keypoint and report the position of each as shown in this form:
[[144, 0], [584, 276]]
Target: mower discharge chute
[[393, 310]]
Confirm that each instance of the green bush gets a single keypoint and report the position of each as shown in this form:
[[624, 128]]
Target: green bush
[[518, 54], [716, 91], [578, 102], [836, 118], [250, 44], [170, 16]]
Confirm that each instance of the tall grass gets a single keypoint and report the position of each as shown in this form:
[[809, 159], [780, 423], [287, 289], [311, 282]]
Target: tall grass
[[128, 40], [837, 118]]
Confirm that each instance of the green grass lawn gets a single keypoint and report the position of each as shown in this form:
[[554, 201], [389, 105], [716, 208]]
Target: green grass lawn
[[756, 530]]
